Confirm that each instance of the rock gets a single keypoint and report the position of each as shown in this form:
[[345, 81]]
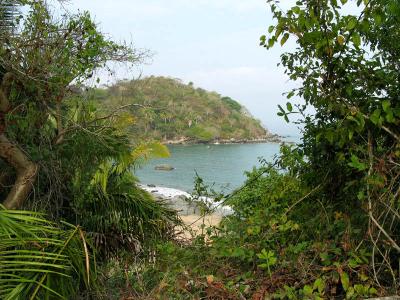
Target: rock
[[183, 205], [164, 168], [151, 185]]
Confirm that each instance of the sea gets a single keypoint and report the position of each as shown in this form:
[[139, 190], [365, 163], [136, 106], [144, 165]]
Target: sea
[[222, 167]]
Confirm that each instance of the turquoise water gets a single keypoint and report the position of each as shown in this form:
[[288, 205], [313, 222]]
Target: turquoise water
[[221, 165]]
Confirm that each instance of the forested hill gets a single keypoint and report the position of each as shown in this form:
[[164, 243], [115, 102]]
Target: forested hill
[[167, 109]]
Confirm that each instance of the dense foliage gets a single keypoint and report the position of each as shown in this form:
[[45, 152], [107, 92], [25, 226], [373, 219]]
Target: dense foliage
[[323, 221], [63, 157], [282, 242], [167, 109], [349, 69], [320, 222]]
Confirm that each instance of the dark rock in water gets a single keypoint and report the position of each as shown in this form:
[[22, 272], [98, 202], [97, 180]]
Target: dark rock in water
[[154, 191], [164, 168], [151, 185]]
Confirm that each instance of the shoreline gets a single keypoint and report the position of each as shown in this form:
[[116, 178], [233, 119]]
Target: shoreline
[[187, 141], [183, 201]]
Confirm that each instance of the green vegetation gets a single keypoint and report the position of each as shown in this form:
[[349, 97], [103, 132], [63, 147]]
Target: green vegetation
[[65, 160], [166, 109], [322, 221], [40, 259]]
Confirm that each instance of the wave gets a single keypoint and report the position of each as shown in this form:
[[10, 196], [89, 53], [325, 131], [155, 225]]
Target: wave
[[171, 194]]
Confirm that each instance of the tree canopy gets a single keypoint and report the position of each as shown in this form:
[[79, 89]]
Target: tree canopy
[[167, 109]]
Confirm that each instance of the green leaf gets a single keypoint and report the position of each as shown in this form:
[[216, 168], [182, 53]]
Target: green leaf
[[289, 107], [352, 23], [377, 18], [375, 117], [307, 290], [325, 258], [352, 262], [290, 95], [296, 10], [271, 43], [286, 119], [361, 118], [344, 279], [356, 39], [351, 133], [263, 266], [355, 163], [350, 293], [351, 118], [390, 117], [284, 38], [385, 105], [329, 135], [271, 28], [363, 277], [360, 289], [373, 291], [268, 256], [319, 284]]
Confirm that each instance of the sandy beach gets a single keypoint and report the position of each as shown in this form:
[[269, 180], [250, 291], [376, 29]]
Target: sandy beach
[[189, 212]]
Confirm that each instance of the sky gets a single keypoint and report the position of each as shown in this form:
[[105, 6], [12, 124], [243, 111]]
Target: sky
[[212, 43]]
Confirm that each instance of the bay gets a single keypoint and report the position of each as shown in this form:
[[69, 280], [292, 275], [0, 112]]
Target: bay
[[221, 166]]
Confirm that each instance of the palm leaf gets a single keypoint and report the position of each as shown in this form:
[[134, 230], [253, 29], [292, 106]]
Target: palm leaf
[[39, 259], [140, 154]]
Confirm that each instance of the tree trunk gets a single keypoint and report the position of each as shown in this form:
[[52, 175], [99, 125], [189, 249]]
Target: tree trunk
[[14, 156], [26, 173], [3, 179]]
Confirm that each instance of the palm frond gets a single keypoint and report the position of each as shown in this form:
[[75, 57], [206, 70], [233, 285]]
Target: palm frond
[[117, 213], [39, 260], [140, 154]]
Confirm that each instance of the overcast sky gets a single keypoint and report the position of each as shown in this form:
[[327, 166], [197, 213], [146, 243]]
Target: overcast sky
[[213, 43]]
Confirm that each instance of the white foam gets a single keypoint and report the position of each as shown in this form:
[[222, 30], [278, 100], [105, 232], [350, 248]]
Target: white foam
[[164, 191], [170, 193]]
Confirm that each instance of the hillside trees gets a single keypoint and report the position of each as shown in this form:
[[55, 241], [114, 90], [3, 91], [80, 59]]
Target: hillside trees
[[172, 110]]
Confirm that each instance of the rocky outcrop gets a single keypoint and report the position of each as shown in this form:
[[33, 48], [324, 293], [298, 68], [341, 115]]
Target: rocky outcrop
[[164, 167], [273, 138]]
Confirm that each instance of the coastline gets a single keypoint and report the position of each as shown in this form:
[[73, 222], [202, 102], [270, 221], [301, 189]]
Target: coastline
[[189, 211], [183, 201], [274, 138]]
